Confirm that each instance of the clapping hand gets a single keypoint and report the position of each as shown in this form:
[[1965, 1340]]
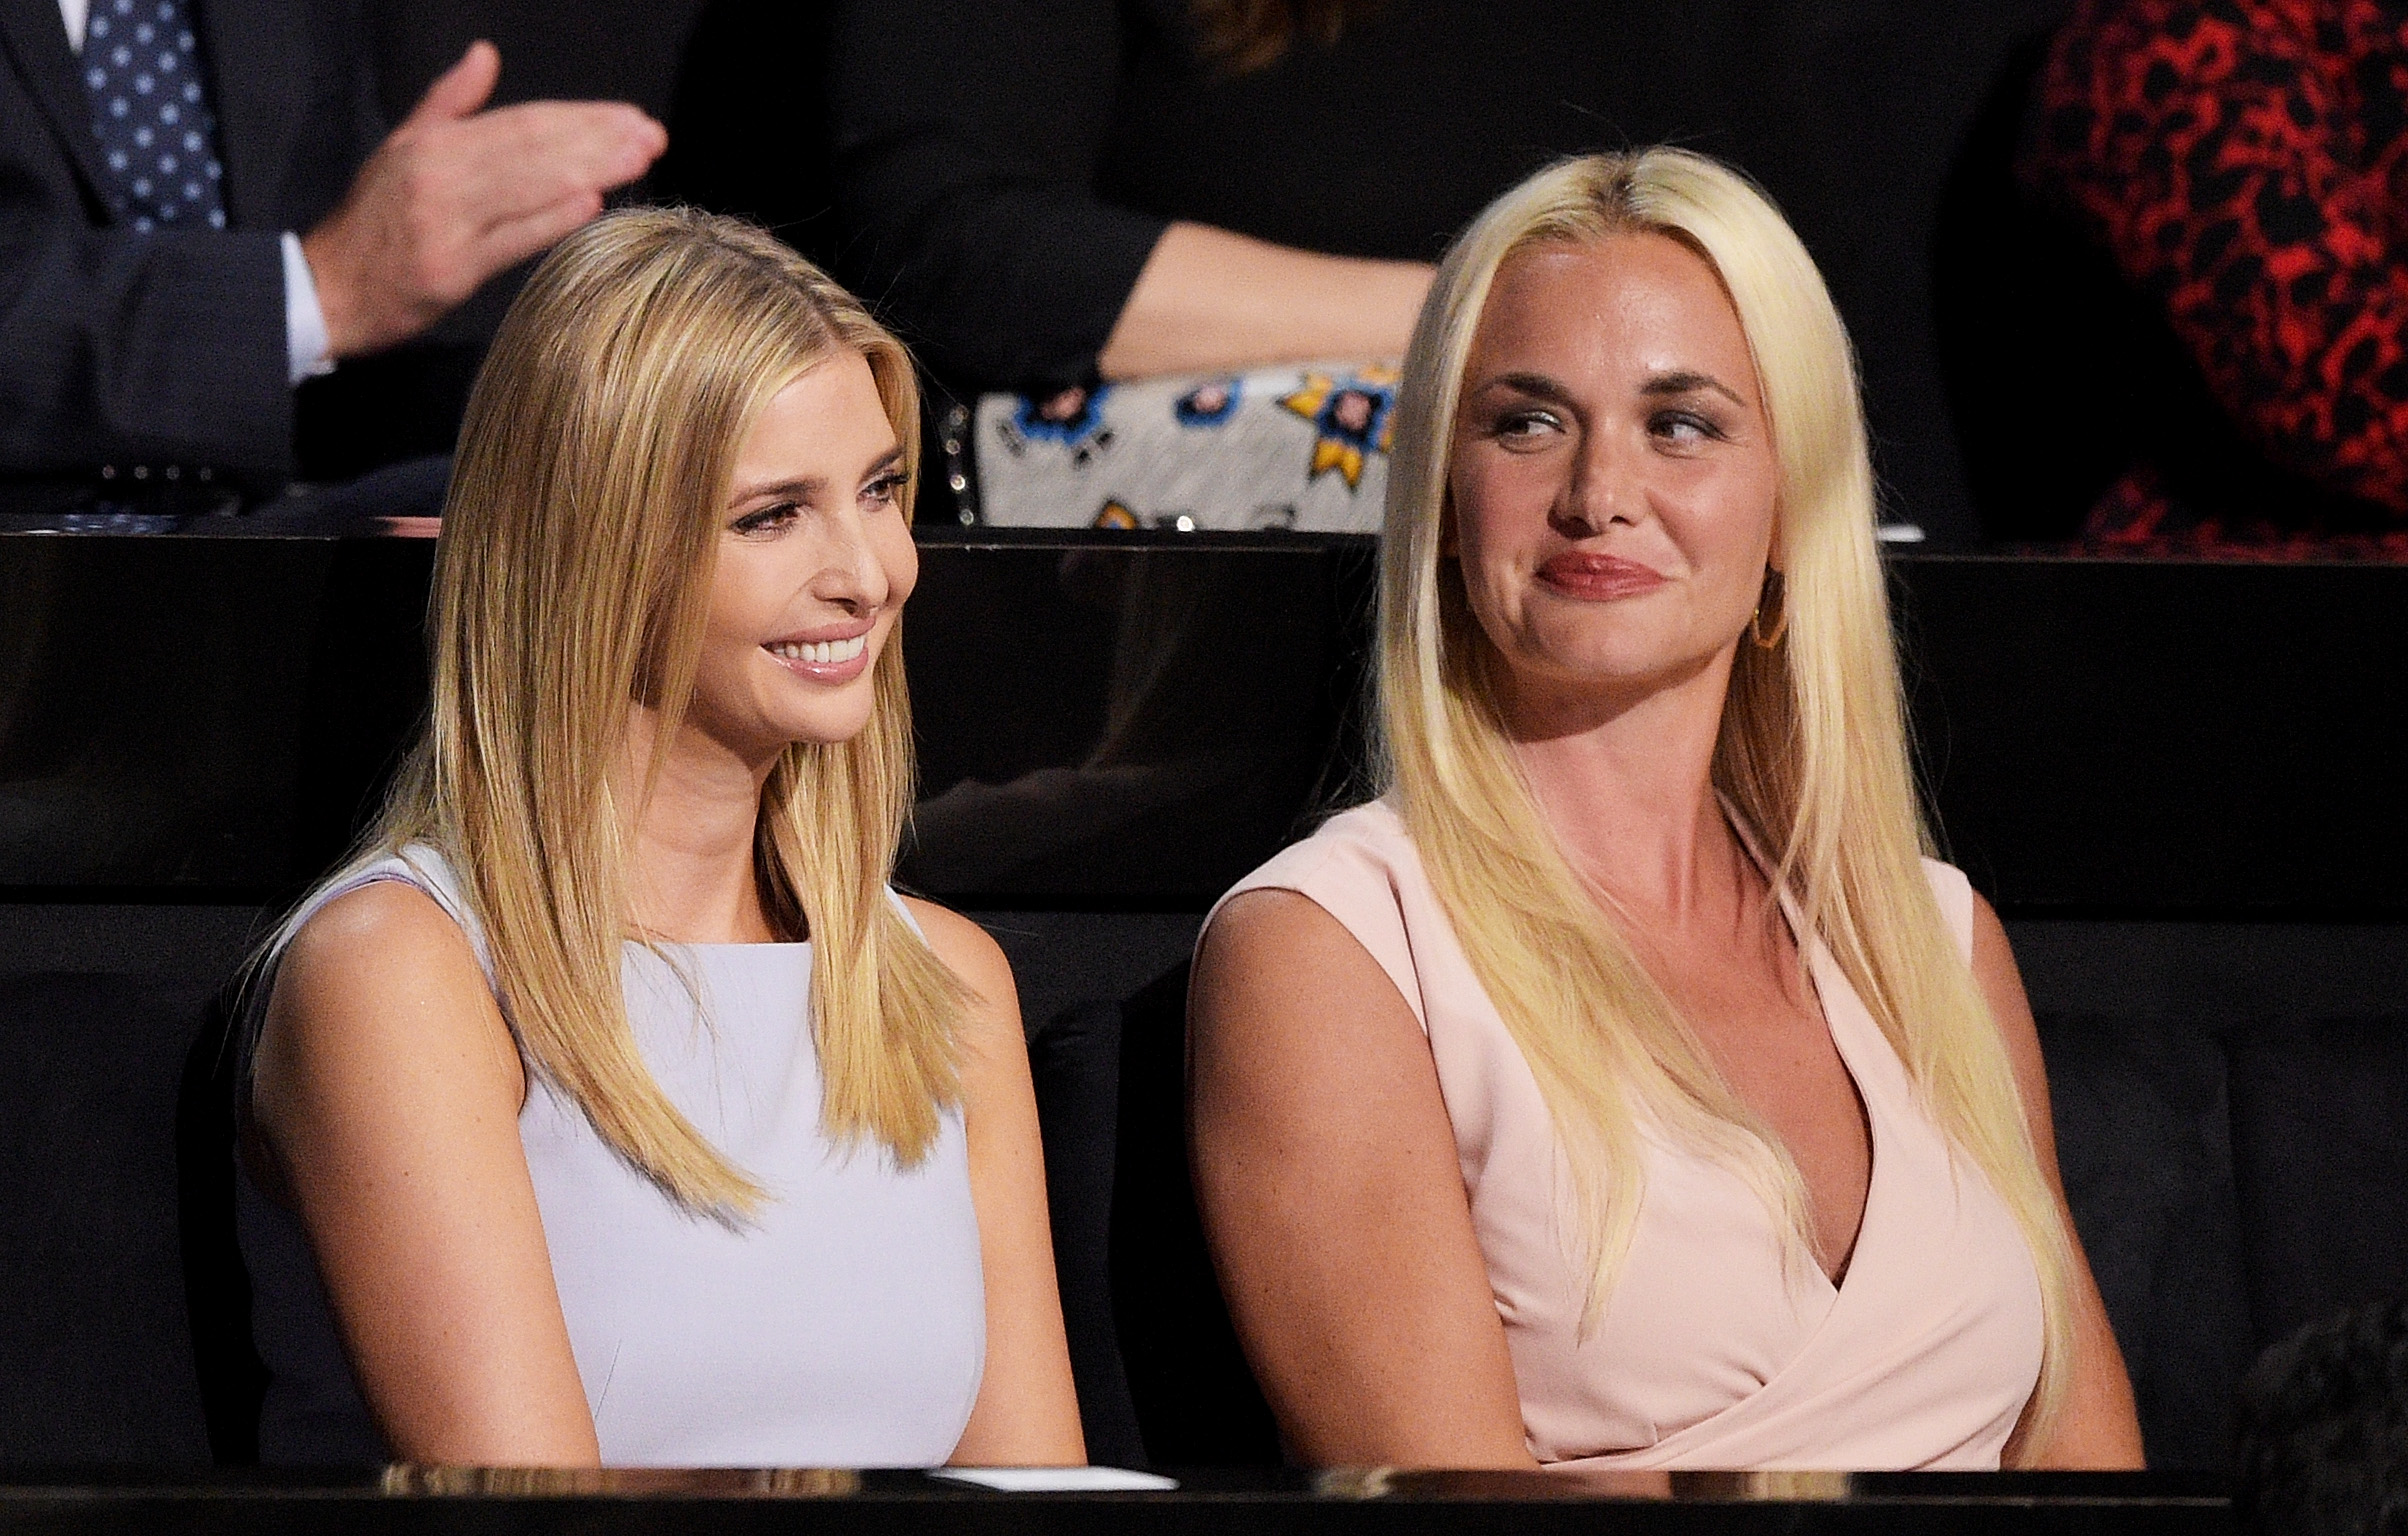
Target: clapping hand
[[457, 194]]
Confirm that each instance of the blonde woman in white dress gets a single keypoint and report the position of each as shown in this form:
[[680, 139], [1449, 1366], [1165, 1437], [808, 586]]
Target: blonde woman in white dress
[[630, 1117]]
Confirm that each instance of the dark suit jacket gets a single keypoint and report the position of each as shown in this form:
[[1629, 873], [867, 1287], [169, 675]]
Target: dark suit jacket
[[123, 349]]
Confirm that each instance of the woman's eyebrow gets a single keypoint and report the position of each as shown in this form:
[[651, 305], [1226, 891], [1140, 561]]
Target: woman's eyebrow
[[888, 462], [802, 489], [1536, 385], [1685, 381]]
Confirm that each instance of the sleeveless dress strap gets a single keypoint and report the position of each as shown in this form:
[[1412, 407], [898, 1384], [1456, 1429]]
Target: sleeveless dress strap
[[1344, 870], [1954, 892]]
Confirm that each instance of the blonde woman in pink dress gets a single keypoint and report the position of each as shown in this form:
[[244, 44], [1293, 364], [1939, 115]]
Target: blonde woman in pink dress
[[1624, 1088]]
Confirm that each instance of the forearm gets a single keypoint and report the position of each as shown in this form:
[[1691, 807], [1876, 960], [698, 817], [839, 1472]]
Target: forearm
[[1208, 299], [1027, 1411], [2099, 1427]]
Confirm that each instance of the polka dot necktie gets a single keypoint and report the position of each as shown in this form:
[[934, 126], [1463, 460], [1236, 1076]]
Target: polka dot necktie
[[150, 113]]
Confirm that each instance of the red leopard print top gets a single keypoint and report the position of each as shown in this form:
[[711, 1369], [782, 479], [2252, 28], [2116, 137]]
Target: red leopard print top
[[2245, 162]]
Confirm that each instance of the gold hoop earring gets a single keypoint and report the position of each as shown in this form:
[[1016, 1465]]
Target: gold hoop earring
[[1775, 591]]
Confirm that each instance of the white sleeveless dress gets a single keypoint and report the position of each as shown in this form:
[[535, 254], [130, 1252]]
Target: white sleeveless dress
[[845, 1326]]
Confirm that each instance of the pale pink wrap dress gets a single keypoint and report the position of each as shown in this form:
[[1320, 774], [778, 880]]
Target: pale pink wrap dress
[[1707, 1355]]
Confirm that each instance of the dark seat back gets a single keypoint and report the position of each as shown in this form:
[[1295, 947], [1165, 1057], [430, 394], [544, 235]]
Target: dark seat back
[[1074, 1064], [1195, 1396], [217, 1286], [2320, 1144], [2144, 1143], [93, 1342], [276, 1385]]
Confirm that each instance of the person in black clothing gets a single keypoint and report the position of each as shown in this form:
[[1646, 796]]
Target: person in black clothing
[[1042, 196]]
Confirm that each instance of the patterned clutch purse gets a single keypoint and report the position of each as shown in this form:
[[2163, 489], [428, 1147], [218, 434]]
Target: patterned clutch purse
[[1286, 447]]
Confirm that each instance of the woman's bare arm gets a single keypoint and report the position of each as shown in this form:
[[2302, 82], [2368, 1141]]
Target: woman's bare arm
[[386, 1100], [1028, 1409], [2100, 1428], [1207, 298], [1327, 1175]]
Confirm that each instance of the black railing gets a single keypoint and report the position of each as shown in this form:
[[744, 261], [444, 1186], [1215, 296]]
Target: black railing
[[1134, 721]]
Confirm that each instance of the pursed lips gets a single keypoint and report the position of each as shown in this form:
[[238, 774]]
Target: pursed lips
[[1597, 576]]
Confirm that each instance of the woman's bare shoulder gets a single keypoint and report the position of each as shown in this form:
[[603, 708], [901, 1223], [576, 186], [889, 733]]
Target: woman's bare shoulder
[[972, 955], [1267, 921], [380, 980], [1277, 961], [385, 933]]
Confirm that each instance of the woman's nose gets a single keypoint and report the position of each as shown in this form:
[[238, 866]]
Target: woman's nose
[[850, 572], [1605, 486]]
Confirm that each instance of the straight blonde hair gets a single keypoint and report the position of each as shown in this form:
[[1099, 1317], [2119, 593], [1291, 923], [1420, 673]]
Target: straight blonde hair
[[571, 582], [1812, 755]]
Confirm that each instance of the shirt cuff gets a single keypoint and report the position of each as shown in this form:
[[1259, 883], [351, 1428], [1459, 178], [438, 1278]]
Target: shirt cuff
[[306, 344]]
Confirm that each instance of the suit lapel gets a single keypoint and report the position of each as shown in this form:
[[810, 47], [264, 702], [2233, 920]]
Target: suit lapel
[[257, 78], [36, 38]]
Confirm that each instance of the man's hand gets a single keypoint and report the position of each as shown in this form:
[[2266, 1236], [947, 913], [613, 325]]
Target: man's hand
[[456, 194]]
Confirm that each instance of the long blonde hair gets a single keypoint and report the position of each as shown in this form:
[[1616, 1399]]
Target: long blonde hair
[[1812, 754], [571, 581]]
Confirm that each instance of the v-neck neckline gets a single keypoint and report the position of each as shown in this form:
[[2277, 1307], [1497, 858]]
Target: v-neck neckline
[[1812, 958], [1814, 961]]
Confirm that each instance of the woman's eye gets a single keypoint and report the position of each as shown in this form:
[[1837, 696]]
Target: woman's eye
[[1527, 426], [885, 490], [766, 519], [1685, 428]]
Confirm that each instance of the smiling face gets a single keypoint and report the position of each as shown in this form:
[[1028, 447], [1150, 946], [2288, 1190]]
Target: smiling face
[[815, 560], [1612, 479]]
